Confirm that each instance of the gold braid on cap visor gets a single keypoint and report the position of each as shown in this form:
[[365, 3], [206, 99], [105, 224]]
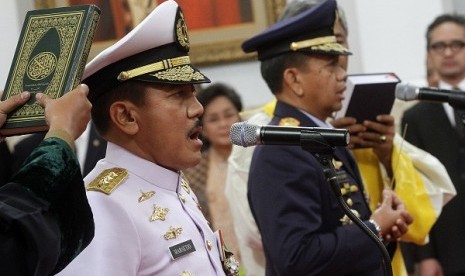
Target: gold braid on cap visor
[[154, 67], [319, 43]]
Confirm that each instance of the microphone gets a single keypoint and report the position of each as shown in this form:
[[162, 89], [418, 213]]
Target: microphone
[[409, 92], [244, 134]]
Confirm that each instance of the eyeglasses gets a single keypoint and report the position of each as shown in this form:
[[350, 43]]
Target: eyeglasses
[[440, 47]]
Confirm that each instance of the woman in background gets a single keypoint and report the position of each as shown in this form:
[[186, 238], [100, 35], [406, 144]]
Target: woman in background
[[221, 109]]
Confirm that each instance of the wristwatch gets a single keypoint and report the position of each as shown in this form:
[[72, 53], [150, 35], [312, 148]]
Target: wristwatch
[[378, 229]]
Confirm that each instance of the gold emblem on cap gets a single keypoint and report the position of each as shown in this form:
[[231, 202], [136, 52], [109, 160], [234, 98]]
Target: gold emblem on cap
[[108, 180], [146, 196], [181, 32], [289, 121], [172, 233], [159, 213], [182, 73]]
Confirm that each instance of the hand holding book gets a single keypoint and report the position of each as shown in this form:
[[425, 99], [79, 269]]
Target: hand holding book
[[378, 135], [66, 116], [365, 108], [11, 104], [50, 57], [69, 114], [368, 95]]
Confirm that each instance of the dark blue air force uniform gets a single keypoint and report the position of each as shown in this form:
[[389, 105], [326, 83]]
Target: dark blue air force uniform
[[298, 214]]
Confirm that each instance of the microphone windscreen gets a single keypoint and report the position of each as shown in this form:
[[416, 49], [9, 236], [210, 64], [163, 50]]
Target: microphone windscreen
[[243, 134], [406, 92]]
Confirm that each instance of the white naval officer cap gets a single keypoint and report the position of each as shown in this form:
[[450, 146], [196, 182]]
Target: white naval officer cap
[[156, 50]]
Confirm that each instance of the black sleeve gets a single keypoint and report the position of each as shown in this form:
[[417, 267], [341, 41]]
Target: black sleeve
[[5, 161], [50, 197], [29, 237]]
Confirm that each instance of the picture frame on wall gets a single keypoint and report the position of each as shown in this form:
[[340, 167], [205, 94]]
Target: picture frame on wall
[[217, 28]]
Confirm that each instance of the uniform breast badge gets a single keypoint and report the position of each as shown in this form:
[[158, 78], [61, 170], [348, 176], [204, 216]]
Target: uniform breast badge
[[345, 220], [159, 213], [230, 264], [107, 181], [145, 196], [346, 191], [172, 233]]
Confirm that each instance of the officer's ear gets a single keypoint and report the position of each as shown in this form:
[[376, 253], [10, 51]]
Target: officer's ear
[[292, 80], [124, 116]]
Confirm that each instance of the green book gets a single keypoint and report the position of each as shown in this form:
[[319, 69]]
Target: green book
[[50, 57]]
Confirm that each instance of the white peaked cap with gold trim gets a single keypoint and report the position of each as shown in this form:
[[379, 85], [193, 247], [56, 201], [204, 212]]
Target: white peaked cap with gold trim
[[156, 50]]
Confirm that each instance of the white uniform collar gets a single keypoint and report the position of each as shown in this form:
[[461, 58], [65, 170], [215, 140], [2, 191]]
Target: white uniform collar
[[144, 169], [317, 121]]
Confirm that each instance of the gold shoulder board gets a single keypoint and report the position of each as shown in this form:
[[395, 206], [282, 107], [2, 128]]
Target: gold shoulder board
[[289, 121], [107, 181]]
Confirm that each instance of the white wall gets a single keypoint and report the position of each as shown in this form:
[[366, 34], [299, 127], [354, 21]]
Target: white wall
[[384, 35], [392, 35], [12, 14], [9, 28]]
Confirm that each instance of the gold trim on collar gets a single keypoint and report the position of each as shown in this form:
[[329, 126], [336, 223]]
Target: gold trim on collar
[[154, 67], [312, 42]]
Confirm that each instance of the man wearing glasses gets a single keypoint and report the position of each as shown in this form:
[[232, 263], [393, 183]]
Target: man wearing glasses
[[434, 128]]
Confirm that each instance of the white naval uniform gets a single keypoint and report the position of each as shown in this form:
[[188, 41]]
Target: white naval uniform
[[126, 242]]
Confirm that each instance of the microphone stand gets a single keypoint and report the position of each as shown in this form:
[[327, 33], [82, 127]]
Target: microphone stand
[[316, 145]]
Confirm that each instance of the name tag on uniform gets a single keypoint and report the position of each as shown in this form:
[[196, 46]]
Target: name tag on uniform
[[182, 249]]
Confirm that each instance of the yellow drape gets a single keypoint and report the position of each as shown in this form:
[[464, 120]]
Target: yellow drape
[[408, 186]]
